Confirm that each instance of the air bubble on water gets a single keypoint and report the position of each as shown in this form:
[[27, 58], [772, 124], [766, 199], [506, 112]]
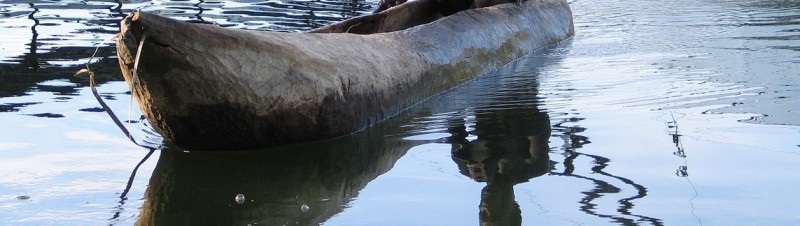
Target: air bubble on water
[[304, 208], [239, 198]]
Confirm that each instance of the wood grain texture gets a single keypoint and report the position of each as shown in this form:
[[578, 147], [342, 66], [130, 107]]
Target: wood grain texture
[[212, 88]]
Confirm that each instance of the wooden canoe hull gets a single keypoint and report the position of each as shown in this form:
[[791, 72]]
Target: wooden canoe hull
[[204, 87]]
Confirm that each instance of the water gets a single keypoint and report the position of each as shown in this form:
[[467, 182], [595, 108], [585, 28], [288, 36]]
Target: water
[[655, 113]]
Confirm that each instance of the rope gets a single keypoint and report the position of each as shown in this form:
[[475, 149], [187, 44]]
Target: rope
[[92, 85]]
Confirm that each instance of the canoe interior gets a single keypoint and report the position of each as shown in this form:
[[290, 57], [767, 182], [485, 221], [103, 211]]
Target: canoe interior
[[397, 18]]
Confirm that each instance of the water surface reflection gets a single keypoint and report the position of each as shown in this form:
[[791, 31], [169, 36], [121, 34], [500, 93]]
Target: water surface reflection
[[507, 148], [297, 185]]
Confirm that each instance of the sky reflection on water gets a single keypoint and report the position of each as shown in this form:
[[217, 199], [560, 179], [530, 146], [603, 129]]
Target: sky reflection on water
[[659, 113]]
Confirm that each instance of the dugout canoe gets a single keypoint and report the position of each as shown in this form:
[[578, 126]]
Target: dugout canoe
[[204, 87]]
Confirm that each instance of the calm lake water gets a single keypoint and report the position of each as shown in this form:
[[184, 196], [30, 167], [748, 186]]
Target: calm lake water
[[679, 112]]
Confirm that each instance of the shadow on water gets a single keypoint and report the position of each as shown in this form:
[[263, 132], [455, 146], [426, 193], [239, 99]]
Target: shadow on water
[[508, 149], [303, 184]]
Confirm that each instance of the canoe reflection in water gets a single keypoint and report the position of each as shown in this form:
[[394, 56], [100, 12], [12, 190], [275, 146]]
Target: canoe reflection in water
[[302, 184], [510, 148]]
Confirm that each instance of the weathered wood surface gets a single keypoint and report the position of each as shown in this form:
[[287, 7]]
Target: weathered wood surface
[[212, 88]]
